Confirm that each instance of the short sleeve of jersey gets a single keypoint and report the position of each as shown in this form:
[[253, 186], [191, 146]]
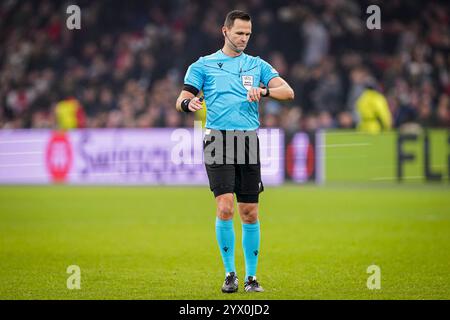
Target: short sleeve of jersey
[[195, 75], [267, 72]]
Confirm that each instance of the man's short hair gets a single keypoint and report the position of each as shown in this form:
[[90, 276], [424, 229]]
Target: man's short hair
[[233, 15]]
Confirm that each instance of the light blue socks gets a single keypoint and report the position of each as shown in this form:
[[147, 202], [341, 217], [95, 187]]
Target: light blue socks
[[225, 239], [250, 243]]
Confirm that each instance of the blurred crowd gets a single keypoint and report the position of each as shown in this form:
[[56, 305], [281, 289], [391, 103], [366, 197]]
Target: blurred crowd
[[126, 64]]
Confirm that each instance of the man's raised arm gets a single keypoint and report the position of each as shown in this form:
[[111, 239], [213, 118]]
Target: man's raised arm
[[280, 89]]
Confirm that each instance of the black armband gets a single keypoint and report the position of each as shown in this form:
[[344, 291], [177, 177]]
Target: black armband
[[185, 104], [191, 89]]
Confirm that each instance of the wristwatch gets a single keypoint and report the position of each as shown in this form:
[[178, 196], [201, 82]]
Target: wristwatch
[[267, 92]]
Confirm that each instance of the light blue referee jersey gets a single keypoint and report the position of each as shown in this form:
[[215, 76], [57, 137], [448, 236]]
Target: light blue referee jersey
[[225, 81]]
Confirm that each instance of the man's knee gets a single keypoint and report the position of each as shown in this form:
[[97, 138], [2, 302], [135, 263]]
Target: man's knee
[[225, 206], [248, 212]]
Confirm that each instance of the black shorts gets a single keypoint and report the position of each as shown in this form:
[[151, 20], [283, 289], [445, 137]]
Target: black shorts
[[235, 171]]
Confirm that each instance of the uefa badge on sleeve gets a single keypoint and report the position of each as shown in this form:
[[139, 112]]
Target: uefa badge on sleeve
[[247, 82]]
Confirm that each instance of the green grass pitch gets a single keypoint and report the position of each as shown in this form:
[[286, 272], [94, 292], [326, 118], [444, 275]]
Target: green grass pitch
[[159, 243]]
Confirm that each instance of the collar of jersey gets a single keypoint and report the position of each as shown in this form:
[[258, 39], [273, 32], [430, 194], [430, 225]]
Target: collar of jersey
[[226, 56]]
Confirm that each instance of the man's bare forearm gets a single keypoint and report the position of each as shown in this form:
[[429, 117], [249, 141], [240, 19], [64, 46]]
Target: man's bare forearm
[[183, 95], [178, 104], [194, 102], [283, 92]]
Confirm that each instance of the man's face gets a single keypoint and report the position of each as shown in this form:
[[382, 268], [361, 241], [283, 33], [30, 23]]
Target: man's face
[[357, 76], [239, 34]]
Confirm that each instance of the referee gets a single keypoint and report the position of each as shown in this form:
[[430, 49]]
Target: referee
[[230, 81]]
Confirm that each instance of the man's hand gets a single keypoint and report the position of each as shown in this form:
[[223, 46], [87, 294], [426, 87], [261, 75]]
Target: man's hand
[[195, 104], [254, 94]]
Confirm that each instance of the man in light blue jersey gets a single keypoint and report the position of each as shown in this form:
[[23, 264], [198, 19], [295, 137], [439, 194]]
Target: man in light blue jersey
[[233, 84]]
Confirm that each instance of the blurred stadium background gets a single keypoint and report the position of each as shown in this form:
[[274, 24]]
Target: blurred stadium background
[[87, 117], [126, 63]]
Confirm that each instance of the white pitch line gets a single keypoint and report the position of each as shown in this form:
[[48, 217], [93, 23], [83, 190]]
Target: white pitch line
[[395, 178], [343, 145], [336, 133]]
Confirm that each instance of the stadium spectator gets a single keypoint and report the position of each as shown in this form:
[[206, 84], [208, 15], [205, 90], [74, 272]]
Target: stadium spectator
[[70, 114], [371, 106]]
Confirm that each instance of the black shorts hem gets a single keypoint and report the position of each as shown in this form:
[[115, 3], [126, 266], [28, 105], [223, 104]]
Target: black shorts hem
[[247, 198], [222, 190], [243, 198]]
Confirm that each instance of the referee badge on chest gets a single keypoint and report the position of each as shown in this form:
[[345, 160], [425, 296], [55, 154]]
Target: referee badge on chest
[[247, 82]]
